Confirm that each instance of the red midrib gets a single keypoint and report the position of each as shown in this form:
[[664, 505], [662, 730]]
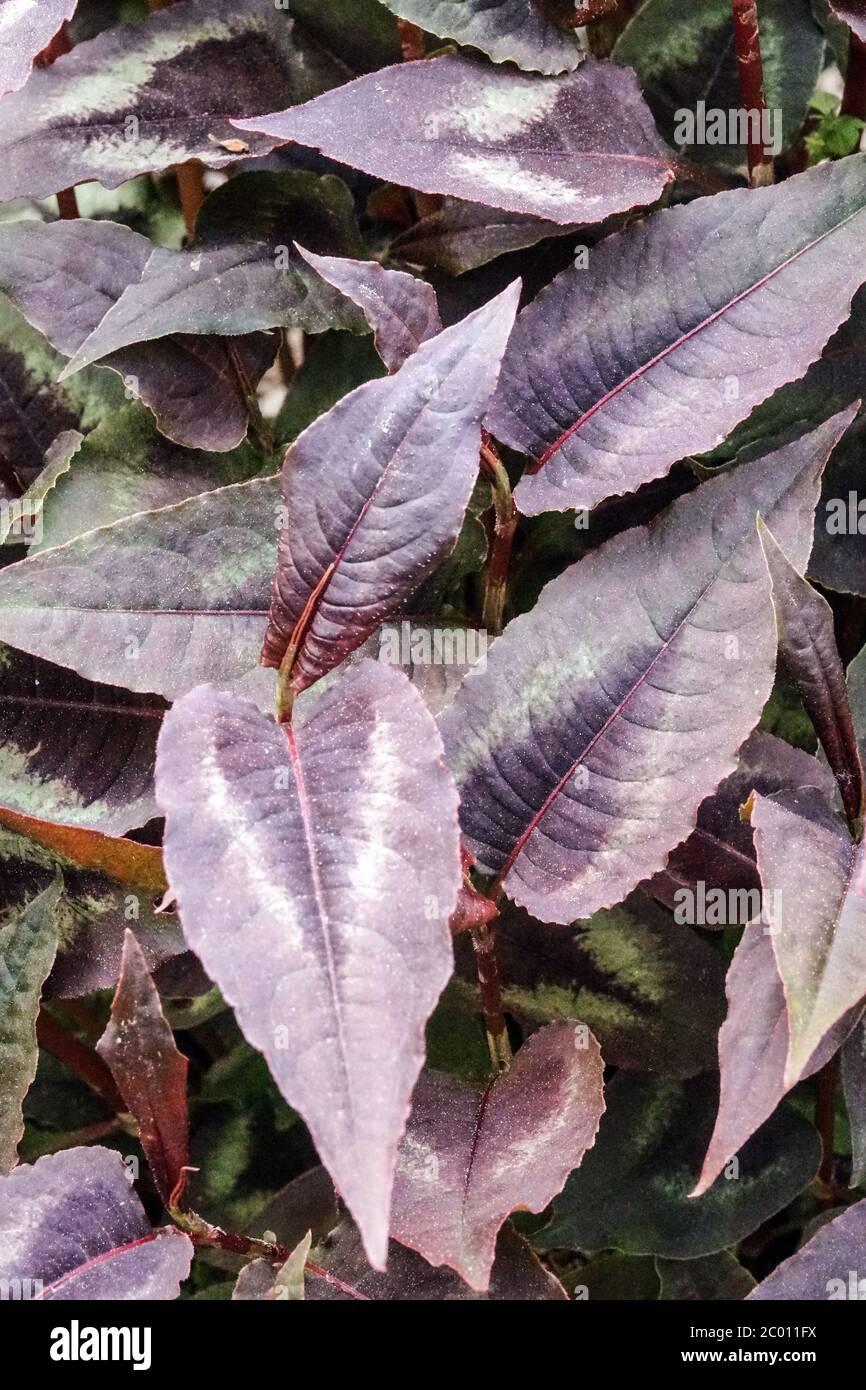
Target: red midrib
[[684, 338]]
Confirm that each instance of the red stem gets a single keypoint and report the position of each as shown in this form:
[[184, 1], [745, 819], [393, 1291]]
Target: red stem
[[825, 1120], [854, 95], [202, 1232], [747, 42], [86, 1064]]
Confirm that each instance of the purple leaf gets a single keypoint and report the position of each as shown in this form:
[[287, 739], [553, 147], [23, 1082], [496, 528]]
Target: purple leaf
[[242, 274], [139, 1049], [807, 645], [461, 236], [158, 601], [359, 540], [65, 277], [577, 720], [28, 942], [467, 1160], [71, 1227], [720, 853], [316, 866], [826, 1267], [512, 31], [401, 309], [753, 1048], [572, 149], [517, 1275], [163, 92], [809, 867], [26, 27], [675, 331]]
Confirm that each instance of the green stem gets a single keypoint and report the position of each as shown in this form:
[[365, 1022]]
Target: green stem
[[499, 562]]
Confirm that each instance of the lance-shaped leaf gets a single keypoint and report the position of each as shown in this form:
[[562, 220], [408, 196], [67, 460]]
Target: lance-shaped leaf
[[65, 277], [21, 518], [74, 752], [508, 31], [461, 236], [807, 645], [468, 1159], [684, 53], [71, 1227], [26, 27], [158, 601], [288, 852], [678, 328], [572, 149], [140, 1051], [809, 868], [827, 1266], [359, 540], [402, 310], [854, 1086], [517, 1274], [585, 748], [753, 1050], [28, 942], [243, 272], [124, 861], [720, 853], [144, 97], [631, 1191]]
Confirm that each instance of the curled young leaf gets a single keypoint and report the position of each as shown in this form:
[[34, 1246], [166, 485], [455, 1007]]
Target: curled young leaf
[[677, 328], [585, 748], [467, 1159], [71, 1227], [316, 866], [572, 149], [357, 541], [139, 1049]]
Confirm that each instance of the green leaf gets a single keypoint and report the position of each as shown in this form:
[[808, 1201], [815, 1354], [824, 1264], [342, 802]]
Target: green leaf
[[28, 943], [631, 1191]]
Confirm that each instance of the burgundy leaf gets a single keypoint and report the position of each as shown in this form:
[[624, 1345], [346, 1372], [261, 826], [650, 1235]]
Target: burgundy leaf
[[401, 309], [809, 868], [71, 1227], [572, 149], [316, 867], [753, 1049], [467, 1160], [807, 644], [359, 540], [578, 721], [826, 1267], [461, 236], [140, 1051], [26, 27], [66, 276], [677, 328]]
